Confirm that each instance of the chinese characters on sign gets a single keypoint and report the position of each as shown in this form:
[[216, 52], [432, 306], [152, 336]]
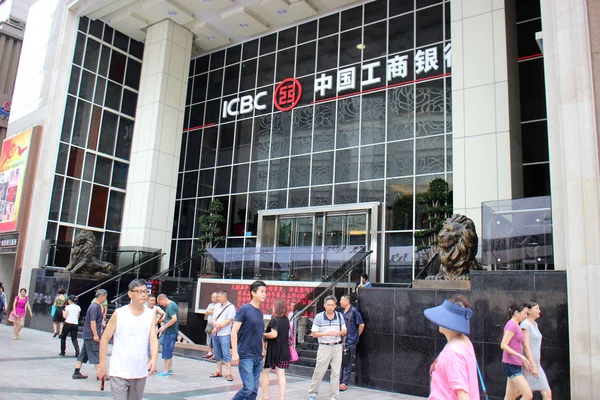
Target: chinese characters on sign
[[426, 60], [239, 294]]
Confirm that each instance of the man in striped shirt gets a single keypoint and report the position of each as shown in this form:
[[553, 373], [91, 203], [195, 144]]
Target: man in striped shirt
[[329, 328]]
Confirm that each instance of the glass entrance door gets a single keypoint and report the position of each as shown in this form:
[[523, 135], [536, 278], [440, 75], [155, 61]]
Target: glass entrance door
[[294, 247], [345, 234]]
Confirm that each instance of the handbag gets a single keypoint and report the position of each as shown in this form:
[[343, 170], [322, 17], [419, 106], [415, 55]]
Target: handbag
[[12, 317], [53, 311], [210, 327], [293, 352]]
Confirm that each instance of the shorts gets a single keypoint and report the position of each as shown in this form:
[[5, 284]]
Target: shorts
[[512, 370], [127, 389], [90, 352], [168, 345], [221, 348]]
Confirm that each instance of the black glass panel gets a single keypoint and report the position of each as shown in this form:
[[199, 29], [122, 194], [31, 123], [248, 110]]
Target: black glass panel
[[536, 180], [136, 49], [248, 75], [250, 49], [79, 49], [399, 204], [400, 113], [287, 38], [243, 139], [327, 57], [96, 27], [226, 136], [134, 69], [92, 53], [186, 220], [190, 183], [429, 107], [100, 91], [373, 118], [222, 180], [375, 41], [302, 130], [528, 9], [205, 182], [119, 178], [237, 217], [307, 32], [280, 139], [82, 123], [349, 52], [68, 119], [83, 24], [233, 54], [346, 194], [262, 137], [306, 59], [532, 89], [108, 133], [425, 3], [239, 179], [70, 200], [348, 122], [298, 198], [401, 33], [266, 70], [429, 25], [376, 10], [86, 89], [199, 88], [124, 136], [129, 104], [430, 155], [212, 114], [121, 41], [192, 154], [352, 18], [277, 199], [534, 139], [268, 44], [104, 60], [324, 126], [398, 7], [89, 166], [329, 25], [113, 95], [232, 79], [56, 198], [285, 64], [103, 170], [527, 45], [217, 59], [84, 203], [74, 80], [197, 115], [209, 148], [61, 162], [215, 84], [117, 67]]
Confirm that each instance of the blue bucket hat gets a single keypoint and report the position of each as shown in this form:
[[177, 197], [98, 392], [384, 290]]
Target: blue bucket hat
[[450, 316]]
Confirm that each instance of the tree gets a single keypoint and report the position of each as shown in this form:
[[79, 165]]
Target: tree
[[210, 230], [437, 207]]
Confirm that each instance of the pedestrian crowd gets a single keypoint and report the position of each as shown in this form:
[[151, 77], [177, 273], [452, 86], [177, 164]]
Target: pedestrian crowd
[[241, 338]]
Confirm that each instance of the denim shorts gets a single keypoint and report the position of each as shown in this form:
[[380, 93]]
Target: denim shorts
[[512, 370], [221, 348], [168, 345]]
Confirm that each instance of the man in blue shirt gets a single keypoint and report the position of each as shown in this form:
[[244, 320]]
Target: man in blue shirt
[[91, 334], [171, 330], [355, 326], [246, 342], [364, 282]]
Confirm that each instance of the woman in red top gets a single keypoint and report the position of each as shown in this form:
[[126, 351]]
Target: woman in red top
[[513, 359]]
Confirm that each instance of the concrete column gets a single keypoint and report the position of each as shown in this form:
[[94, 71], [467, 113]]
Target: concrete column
[[486, 142], [39, 99], [152, 181], [574, 178]]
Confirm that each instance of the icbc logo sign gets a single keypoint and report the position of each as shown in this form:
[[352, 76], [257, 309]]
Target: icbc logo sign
[[287, 94]]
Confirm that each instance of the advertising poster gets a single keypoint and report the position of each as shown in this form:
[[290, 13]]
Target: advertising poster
[[13, 161]]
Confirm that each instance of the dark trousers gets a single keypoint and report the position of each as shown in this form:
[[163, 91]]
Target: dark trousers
[[347, 371], [69, 329]]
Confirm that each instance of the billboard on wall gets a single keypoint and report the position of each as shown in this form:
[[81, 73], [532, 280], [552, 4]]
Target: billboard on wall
[[13, 162]]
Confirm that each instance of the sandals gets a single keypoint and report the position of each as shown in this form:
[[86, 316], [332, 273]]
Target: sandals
[[216, 375], [229, 378], [343, 388]]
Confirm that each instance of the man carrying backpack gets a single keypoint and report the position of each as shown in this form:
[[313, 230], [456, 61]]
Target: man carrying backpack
[[329, 328]]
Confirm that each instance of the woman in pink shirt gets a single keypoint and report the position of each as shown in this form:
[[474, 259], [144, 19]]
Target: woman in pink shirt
[[454, 372], [513, 359]]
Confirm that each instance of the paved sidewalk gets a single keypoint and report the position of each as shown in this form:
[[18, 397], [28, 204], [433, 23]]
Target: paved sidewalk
[[32, 369]]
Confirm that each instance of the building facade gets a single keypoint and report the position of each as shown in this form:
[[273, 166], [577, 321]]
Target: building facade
[[316, 124]]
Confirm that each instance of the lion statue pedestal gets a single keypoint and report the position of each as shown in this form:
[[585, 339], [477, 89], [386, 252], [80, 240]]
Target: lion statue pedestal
[[454, 256]]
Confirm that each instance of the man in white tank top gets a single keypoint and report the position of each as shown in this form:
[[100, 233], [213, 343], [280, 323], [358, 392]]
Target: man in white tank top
[[134, 328]]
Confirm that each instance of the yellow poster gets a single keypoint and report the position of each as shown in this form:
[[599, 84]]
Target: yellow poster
[[13, 162]]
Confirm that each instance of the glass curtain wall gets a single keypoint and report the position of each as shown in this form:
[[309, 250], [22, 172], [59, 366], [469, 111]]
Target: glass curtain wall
[[93, 160], [373, 123]]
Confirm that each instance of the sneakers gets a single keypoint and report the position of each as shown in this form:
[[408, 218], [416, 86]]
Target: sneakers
[[55, 334], [62, 354], [311, 398], [170, 372], [79, 376], [162, 374]]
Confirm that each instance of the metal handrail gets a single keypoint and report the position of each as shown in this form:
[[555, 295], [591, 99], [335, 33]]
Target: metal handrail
[[120, 275], [318, 297], [161, 273]]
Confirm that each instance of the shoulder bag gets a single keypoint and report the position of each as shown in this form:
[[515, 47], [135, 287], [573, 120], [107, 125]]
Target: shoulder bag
[[293, 352], [210, 327]]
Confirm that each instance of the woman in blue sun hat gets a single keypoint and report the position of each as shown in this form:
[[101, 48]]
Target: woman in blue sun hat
[[454, 372]]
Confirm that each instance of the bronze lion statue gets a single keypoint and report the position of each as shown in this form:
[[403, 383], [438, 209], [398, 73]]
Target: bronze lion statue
[[455, 251], [83, 260]]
